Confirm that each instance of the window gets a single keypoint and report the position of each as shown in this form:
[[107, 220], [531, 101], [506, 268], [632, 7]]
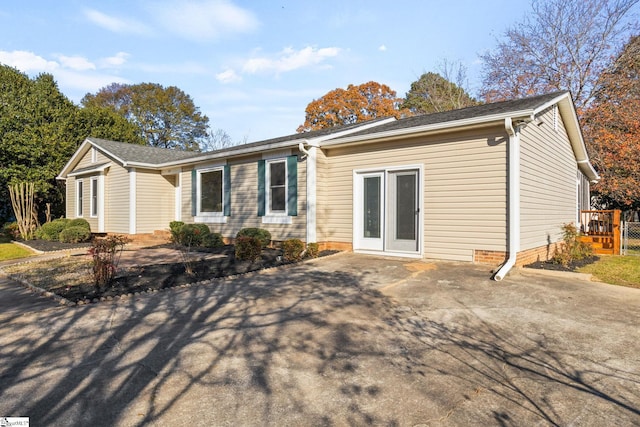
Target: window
[[79, 198], [277, 187], [211, 194], [94, 197]]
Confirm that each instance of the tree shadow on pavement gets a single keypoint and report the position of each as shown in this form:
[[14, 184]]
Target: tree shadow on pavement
[[293, 346]]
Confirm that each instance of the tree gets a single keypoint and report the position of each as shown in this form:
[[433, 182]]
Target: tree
[[217, 140], [166, 117], [612, 128], [433, 93], [354, 105], [560, 45], [39, 131]]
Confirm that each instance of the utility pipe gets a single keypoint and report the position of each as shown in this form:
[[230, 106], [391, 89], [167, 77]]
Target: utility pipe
[[514, 198]]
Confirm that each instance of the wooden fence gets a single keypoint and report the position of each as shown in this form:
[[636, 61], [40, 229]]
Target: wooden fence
[[601, 229]]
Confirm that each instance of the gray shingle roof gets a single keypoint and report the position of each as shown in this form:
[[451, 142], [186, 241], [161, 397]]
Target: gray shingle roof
[[141, 153], [495, 108]]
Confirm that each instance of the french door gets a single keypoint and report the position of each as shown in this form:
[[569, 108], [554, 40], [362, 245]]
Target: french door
[[386, 211]]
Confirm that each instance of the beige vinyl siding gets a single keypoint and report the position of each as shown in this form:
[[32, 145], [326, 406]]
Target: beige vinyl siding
[[155, 195], [322, 175], [244, 201], [85, 161], [70, 197], [117, 199], [548, 182], [464, 190]]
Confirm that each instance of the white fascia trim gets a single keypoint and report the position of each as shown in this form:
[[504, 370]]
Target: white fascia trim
[[570, 119], [496, 119], [100, 169], [79, 152], [132, 201]]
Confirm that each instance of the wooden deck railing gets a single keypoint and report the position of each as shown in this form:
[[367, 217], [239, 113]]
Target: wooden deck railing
[[601, 229]]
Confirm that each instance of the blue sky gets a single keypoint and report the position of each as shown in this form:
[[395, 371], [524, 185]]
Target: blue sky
[[250, 66]]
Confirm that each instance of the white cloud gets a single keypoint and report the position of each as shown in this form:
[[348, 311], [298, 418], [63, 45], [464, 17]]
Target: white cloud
[[382, 48], [115, 61], [114, 24], [228, 76], [27, 61], [289, 59], [77, 63], [203, 20]]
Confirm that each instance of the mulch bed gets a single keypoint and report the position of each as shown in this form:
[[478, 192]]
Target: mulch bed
[[49, 246], [573, 266], [155, 277]]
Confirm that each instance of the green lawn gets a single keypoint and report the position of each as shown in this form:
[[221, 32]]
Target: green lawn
[[617, 270], [13, 251]]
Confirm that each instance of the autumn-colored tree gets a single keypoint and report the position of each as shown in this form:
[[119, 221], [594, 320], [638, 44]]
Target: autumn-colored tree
[[166, 116], [433, 93], [560, 45], [612, 129], [352, 105]]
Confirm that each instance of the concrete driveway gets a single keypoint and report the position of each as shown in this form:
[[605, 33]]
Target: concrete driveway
[[345, 340]]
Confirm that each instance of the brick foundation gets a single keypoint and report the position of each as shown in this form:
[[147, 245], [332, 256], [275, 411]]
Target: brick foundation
[[541, 253]]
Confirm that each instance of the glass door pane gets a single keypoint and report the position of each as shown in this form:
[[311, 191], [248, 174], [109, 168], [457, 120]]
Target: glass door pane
[[372, 203]]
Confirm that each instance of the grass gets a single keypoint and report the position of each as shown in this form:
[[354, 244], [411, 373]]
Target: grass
[[13, 251], [617, 270], [55, 273]]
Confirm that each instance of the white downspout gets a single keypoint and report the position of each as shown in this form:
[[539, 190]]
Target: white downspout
[[311, 190], [514, 198]]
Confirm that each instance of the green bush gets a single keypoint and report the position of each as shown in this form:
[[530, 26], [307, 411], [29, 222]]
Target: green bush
[[213, 240], [79, 222], [51, 230], [175, 227], [75, 234], [248, 248], [11, 230], [192, 235], [571, 249], [312, 250], [292, 250], [258, 233]]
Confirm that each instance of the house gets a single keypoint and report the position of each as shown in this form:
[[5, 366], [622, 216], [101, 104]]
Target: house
[[492, 183]]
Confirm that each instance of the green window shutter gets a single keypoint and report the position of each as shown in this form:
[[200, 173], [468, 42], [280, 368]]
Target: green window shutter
[[194, 192], [261, 189], [227, 190], [292, 185]]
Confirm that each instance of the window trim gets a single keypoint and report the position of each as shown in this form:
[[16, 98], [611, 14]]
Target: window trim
[[210, 217], [93, 196], [267, 187], [79, 198]]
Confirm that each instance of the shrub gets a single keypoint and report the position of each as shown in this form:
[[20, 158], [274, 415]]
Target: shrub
[[213, 240], [571, 248], [11, 230], [312, 250], [105, 254], [79, 222], [51, 230], [192, 235], [175, 227], [258, 233], [292, 250], [75, 234], [248, 248]]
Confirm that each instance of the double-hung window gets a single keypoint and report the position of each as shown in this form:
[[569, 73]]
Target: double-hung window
[[211, 188], [278, 189], [79, 198], [94, 197]]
